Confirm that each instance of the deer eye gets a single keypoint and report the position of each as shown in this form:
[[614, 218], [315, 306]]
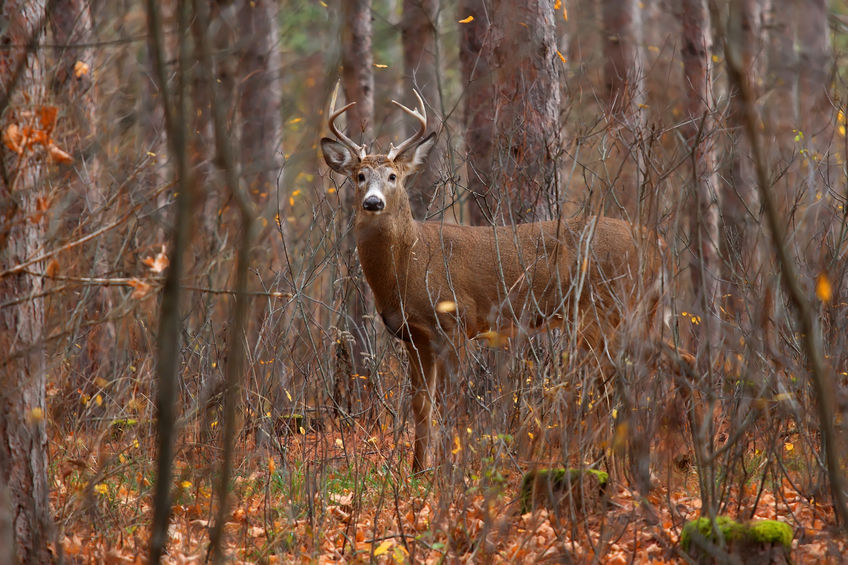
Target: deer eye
[[361, 177], [393, 177]]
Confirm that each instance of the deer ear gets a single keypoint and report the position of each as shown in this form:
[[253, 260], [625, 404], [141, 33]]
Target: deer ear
[[415, 156], [337, 156]]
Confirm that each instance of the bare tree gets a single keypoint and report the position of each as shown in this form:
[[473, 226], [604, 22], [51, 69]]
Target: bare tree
[[70, 23], [475, 57], [527, 136], [358, 84], [623, 78], [358, 67], [696, 52], [739, 201], [420, 58], [23, 441], [622, 35], [510, 68]]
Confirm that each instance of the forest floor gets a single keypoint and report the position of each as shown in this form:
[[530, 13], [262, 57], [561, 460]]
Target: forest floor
[[344, 498]]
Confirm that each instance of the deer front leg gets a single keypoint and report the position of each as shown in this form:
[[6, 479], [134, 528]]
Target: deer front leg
[[422, 372]]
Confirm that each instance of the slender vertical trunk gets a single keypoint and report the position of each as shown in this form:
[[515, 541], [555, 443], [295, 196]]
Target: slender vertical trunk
[[71, 26], [358, 68], [696, 51], [421, 64], [624, 78], [739, 200], [527, 132], [475, 58], [358, 83], [23, 441]]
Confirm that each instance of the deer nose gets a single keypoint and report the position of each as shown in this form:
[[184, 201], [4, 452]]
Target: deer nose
[[373, 203]]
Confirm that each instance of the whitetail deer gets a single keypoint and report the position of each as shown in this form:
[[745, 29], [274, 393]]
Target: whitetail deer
[[435, 282]]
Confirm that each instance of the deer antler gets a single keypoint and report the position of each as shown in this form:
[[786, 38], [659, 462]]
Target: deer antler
[[357, 149], [422, 119]]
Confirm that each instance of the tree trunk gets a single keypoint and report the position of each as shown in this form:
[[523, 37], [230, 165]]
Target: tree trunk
[[739, 200], [623, 77], [475, 58], [23, 441], [358, 68], [70, 23], [622, 70], [510, 69], [418, 30], [696, 52], [527, 132], [358, 83], [814, 67]]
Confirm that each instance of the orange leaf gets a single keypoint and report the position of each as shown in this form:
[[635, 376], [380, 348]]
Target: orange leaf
[[80, 69], [467, 20], [58, 155], [13, 138], [141, 288], [159, 263], [47, 116], [824, 290]]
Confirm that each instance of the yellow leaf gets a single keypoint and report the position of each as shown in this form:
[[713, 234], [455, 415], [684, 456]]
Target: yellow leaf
[[458, 445], [36, 415], [185, 485], [561, 56], [101, 488], [379, 66], [383, 547], [288, 395], [565, 13], [557, 4], [446, 307], [339, 442], [824, 290], [272, 465], [80, 69], [788, 446], [467, 20]]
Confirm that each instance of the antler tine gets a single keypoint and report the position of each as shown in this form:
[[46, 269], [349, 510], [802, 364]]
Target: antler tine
[[359, 150], [422, 119]]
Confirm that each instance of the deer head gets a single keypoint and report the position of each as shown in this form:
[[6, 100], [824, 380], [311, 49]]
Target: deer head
[[378, 179]]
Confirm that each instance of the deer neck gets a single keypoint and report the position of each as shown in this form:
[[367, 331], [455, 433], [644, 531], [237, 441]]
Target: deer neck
[[384, 244]]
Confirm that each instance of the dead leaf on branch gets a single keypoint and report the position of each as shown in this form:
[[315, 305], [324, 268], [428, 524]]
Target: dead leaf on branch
[[140, 289], [158, 263]]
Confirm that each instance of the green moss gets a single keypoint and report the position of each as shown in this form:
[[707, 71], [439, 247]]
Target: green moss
[[730, 530], [762, 532], [771, 531], [558, 481]]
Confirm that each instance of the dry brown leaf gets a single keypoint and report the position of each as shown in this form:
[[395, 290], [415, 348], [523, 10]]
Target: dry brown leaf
[[141, 288], [158, 263], [13, 137], [58, 155]]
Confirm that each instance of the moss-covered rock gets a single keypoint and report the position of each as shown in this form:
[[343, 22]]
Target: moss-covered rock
[[563, 489], [760, 542]]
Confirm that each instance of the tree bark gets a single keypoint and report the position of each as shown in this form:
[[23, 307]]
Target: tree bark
[[696, 52], [420, 50], [624, 80], [740, 203], [527, 90], [510, 69], [622, 70], [358, 68], [23, 440], [475, 58], [358, 84], [70, 23]]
